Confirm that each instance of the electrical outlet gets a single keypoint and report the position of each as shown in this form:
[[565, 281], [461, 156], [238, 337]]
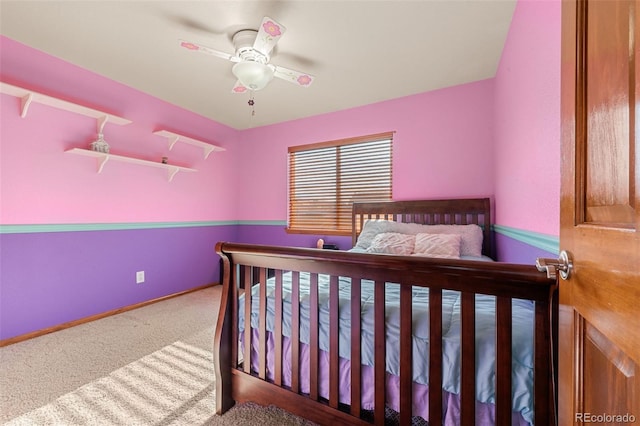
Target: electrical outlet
[[139, 277]]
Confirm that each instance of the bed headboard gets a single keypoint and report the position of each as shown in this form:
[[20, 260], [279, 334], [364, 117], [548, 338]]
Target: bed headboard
[[463, 211]]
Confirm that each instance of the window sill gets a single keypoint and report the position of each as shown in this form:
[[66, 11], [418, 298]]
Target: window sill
[[318, 232]]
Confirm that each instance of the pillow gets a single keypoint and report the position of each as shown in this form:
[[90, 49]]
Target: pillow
[[370, 229], [438, 245], [471, 237], [470, 245], [392, 243]]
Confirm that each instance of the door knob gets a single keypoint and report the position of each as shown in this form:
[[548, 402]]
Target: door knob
[[552, 267]]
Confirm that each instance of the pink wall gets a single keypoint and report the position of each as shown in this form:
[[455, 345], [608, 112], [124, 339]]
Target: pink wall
[[497, 137], [442, 147], [42, 184], [527, 120]]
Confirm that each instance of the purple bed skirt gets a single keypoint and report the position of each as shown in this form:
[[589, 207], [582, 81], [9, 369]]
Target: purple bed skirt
[[485, 412]]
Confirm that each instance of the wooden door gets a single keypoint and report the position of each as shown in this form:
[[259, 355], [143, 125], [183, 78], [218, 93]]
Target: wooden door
[[599, 344]]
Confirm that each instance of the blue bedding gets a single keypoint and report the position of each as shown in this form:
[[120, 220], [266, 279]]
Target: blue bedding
[[522, 346]]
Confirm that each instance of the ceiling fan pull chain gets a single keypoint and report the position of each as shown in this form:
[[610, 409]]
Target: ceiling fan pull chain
[[252, 103]]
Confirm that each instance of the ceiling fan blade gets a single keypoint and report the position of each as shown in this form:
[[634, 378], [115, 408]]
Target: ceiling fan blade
[[297, 60], [269, 33], [204, 49], [194, 25], [239, 88], [295, 77]]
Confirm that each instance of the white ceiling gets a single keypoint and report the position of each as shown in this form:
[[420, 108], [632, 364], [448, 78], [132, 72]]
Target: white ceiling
[[360, 52]]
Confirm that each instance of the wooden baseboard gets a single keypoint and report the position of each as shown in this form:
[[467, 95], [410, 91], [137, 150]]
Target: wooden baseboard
[[70, 324]]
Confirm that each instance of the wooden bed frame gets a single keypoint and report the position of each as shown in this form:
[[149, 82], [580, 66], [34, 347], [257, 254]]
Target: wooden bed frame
[[237, 382]]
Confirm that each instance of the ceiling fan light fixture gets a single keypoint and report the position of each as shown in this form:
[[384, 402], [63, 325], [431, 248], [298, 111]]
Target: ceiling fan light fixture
[[253, 75]]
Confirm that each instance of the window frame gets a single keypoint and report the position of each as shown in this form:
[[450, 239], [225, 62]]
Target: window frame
[[338, 202]]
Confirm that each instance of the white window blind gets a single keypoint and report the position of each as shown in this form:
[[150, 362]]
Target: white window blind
[[326, 178]]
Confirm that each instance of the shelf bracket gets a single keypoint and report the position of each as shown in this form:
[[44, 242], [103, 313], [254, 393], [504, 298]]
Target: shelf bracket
[[172, 172], [172, 141], [26, 101], [101, 162], [174, 138], [101, 122], [28, 96], [208, 151]]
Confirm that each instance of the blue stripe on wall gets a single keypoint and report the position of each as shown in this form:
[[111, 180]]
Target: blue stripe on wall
[[545, 242], [73, 227], [548, 243]]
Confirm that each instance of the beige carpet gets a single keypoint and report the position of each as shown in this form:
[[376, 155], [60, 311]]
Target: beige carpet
[[150, 366]]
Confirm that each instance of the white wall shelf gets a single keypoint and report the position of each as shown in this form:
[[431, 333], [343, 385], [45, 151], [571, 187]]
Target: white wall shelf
[[174, 138], [103, 158], [29, 96]]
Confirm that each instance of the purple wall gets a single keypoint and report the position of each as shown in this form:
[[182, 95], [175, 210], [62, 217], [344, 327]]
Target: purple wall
[[276, 235], [514, 251], [50, 278]]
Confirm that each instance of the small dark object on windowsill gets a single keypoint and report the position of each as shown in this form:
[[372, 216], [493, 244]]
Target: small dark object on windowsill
[[330, 247]]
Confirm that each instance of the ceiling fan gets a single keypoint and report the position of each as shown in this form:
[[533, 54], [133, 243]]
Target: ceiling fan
[[252, 68]]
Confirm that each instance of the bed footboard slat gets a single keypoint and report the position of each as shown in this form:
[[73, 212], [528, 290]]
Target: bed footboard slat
[[334, 361], [225, 339], [435, 356], [356, 373], [262, 370], [313, 336], [503, 360], [277, 379], [247, 318], [406, 355], [235, 290], [380, 352], [468, 367], [543, 394], [295, 331]]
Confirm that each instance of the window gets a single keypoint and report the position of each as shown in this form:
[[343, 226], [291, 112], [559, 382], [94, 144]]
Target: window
[[326, 178]]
